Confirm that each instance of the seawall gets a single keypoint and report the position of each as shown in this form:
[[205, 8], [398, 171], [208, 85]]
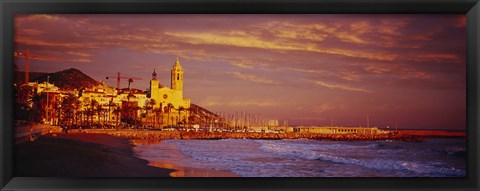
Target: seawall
[[433, 133], [149, 135]]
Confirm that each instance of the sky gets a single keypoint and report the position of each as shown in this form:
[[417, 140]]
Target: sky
[[399, 70]]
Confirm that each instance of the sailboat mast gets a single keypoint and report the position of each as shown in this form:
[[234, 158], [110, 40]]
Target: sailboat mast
[[368, 121]]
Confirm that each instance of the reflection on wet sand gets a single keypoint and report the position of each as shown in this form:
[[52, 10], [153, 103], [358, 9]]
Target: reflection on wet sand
[[191, 172]]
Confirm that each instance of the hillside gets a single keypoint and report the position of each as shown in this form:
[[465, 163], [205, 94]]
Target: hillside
[[68, 79], [201, 115]]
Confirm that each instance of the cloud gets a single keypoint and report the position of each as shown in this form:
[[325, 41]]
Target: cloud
[[32, 32], [378, 68], [287, 30], [352, 31], [324, 107], [342, 73], [400, 70], [339, 87], [329, 46], [53, 58], [38, 42], [344, 36], [349, 75], [306, 71], [361, 27], [212, 101], [77, 53], [435, 58], [257, 42], [253, 78], [242, 65], [38, 18]]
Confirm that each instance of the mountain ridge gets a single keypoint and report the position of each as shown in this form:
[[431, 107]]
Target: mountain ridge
[[68, 79]]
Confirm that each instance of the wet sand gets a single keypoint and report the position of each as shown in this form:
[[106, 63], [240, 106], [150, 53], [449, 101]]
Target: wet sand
[[191, 172], [181, 171], [82, 155]]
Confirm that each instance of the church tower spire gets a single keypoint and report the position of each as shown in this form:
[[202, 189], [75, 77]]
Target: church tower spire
[[177, 76], [154, 75]]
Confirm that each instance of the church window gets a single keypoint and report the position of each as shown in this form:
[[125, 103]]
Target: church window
[[178, 76]]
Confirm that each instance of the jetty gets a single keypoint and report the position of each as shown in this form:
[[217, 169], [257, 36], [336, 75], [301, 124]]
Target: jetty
[[153, 135]]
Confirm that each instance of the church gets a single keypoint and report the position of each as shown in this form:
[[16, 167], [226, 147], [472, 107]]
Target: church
[[171, 99]]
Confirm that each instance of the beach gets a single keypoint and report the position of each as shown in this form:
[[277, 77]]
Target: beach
[[82, 155], [100, 155]]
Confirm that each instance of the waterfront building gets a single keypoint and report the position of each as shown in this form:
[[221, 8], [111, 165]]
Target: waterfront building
[[107, 100], [45, 86], [100, 100], [340, 130], [132, 102], [50, 98], [101, 93]]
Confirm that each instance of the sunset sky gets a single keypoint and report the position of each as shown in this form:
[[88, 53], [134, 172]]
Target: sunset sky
[[408, 70]]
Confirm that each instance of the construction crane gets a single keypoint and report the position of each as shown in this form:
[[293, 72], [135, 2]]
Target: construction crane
[[28, 56], [130, 80]]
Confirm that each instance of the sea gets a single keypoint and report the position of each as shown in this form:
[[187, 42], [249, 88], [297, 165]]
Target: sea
[[435, 157]]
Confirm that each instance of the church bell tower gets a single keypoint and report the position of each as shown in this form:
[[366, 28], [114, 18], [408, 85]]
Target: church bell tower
[[177, 76]]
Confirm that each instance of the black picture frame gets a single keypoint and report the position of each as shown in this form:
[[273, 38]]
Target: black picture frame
[[8, 9]]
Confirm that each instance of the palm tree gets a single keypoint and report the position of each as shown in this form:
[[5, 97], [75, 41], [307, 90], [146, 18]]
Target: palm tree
[[104, 111], [135, 116], [76, 105], [157, 111], [99, 113], [130, 80], [169, 107], [151, 103], [110, 105], [78, 116], [69, 107], [147, 107], [37, 109], [83, 115], [117, 110], [91, 113], [180, 109], [23, 102]]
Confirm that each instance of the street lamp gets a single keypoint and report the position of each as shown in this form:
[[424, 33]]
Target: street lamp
[[48, 103]]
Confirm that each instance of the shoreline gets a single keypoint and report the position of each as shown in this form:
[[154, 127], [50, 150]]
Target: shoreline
[[179, 171], [81, 155], [95, 155]]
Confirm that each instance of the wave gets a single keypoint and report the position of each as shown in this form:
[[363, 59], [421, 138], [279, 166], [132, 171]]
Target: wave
[[303, 158], [453, 151], [336, 153]]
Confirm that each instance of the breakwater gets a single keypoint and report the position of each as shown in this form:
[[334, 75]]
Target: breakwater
[[433, 133], [149, 135]]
